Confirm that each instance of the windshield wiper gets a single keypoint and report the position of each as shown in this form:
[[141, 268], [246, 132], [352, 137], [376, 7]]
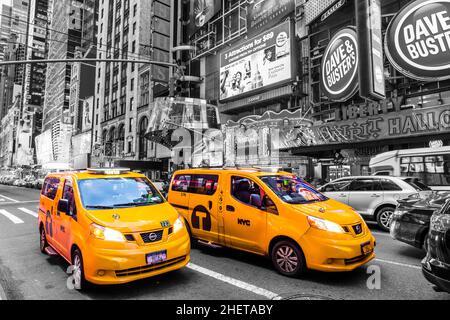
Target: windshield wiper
[[133, 204], [99, 207]]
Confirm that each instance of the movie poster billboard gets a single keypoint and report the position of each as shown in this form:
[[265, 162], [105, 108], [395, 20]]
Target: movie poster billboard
[[265, 14], [258, 63], [202, 11]]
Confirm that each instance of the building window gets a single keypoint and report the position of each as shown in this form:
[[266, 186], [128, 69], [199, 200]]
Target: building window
[[143, 142], [130, 125]]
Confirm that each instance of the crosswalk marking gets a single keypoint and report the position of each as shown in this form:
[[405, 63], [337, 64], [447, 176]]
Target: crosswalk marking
[[34, 214], [11, 217], [10, 199]]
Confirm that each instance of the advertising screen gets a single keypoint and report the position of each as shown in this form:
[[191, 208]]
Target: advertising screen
[[202, 11], [257, 63], [264, 14]]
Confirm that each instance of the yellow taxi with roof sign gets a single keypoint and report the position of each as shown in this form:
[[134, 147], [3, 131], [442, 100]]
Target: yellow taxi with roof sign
[[112, 225]]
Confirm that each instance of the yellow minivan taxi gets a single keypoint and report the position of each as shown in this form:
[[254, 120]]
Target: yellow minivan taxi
[[111, 225], [274, 214]]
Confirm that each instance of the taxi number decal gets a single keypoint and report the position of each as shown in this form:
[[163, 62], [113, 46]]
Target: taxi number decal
[[201, 218]]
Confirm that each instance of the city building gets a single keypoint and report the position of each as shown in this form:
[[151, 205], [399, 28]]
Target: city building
[[133, 30], [264, 65], [68, 33], [342, 128], [82, 90]]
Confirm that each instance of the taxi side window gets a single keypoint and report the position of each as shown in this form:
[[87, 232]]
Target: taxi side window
[[181, 183], [204, 184], [246, 191], [69, 195], [50, 188]]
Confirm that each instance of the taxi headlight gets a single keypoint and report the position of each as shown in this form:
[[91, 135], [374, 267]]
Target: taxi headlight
[[106, 234], [324, 225], [178, 225]]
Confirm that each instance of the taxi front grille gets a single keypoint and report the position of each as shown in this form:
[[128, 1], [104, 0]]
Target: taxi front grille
[[148, 269], [151, 237]]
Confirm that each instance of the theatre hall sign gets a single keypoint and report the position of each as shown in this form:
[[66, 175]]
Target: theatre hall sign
[[394, 125], [418, 40]]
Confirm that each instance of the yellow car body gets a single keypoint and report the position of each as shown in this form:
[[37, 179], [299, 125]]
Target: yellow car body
[[125, 258], [210, 205]]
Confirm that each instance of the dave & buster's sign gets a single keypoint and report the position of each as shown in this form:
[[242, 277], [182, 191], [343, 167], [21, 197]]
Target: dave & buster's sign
[[339, 69], [418, 40]]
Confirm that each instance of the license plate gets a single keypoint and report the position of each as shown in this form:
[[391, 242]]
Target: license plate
[[366, 248], [156, 257]]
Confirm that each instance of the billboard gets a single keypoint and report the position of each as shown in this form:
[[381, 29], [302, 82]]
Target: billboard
[[265, 14], [202, 11], [258, 63], [417, 40], [339, 69]]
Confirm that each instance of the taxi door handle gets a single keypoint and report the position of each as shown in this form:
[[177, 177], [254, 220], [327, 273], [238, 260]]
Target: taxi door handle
[[230, 209], [375, 196]]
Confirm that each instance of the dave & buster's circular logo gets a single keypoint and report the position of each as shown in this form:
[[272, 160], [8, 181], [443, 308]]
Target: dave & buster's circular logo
[[418, 40], [339, 69]]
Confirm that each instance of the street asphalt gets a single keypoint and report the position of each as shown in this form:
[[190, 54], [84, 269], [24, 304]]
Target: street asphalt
[[25, 273]]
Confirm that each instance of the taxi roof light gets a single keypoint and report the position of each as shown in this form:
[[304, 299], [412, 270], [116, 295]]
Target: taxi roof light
[[108, 171]]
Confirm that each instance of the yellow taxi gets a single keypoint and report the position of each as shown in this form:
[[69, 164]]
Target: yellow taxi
[[274, 214], [111, 225]]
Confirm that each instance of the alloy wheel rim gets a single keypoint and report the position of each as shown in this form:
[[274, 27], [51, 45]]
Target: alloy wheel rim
[[287, 259], [385, 218], [77, 271], [42, 239]]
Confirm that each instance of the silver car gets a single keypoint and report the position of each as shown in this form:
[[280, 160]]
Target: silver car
[[374, 197]]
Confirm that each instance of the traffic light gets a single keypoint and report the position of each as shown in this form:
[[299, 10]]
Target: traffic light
[[176, 87]]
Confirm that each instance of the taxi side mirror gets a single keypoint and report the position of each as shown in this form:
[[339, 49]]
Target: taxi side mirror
[[269, 206], [63, 206]]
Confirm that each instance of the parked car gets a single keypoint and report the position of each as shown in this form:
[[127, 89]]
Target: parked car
[[374, 197], [411, 220], [436, 265]]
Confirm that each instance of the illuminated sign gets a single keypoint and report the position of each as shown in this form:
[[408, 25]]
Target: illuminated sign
[[371, 65], [258, 63], [265, 14], [418, 40], [339, 79]]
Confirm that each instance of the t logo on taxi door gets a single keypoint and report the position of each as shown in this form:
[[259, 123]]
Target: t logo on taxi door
[[201, 218], [244, 222]]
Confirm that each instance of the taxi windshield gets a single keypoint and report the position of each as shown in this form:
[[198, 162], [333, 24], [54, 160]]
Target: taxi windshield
[[113, 193], [293, 190]]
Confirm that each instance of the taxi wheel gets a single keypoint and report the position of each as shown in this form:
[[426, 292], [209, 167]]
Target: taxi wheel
[[193, 240], [79, 280], [384, 218], [42, 240], [288, 259]]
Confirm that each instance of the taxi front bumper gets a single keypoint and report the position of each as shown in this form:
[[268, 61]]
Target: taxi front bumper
[[112, 266], [324, 253]]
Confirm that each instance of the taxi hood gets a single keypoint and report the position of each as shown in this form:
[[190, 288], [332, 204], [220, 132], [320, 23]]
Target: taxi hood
[[331, 210], [135, 219]]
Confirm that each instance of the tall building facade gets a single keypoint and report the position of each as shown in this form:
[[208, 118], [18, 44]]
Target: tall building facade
[[262, 61], [133, 30], [66, 35]]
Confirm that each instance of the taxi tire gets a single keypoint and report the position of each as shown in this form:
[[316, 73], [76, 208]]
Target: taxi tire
[[281, 247], [83, 283], [194, 242], [42, 240]]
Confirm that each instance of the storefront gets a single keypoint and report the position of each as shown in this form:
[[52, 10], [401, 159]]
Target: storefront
[[349, 130]]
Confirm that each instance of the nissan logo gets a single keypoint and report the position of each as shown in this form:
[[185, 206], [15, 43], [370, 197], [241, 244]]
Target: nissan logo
[[153, 236]]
